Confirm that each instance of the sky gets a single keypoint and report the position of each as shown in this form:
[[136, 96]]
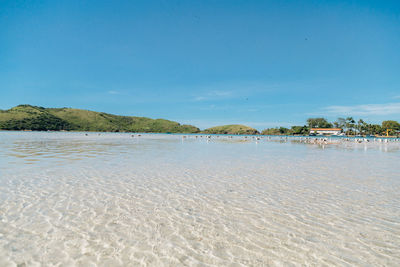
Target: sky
[[206, 63]]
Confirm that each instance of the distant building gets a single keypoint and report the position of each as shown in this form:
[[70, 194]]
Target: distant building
[[325, 131]]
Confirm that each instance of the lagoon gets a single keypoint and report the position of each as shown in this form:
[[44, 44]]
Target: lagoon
[[110, 199]]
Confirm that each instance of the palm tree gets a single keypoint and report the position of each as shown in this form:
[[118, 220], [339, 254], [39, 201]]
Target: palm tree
[[350, 124], [360, 126]]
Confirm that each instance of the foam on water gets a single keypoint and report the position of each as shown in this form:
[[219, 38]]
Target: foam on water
[[114, 199]]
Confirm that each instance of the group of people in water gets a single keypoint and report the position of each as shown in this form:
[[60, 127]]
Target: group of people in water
[[323, 140]]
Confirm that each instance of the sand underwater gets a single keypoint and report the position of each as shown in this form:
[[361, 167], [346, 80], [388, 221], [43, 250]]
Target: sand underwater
[[71, 199]]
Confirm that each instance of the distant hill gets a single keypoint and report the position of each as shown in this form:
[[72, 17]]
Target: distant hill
[[27, 117], [231, 129]]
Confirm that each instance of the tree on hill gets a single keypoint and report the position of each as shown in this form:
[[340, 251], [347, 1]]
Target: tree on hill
[[42, 122], [300, 130], [374, 129], [231, 129], [318, 123], [276, 131], [340, 123], [391, 127]]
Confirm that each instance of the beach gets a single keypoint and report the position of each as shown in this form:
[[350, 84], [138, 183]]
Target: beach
[[120, 199]]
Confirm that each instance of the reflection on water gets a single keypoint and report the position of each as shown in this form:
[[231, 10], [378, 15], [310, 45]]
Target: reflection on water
[[36, 150], [113, 199]]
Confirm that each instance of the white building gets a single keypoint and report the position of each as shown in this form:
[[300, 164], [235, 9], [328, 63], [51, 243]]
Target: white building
[[325, 131]]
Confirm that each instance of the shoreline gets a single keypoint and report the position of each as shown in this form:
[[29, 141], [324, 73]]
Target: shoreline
[[206, 134]]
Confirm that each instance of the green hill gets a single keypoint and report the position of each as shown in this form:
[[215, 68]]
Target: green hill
[[231, 129], [26, 117]]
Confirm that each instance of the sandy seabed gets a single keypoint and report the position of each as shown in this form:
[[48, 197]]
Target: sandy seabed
[[67, 199]]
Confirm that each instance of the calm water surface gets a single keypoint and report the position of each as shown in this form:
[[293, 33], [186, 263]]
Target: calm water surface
[[68, 199]]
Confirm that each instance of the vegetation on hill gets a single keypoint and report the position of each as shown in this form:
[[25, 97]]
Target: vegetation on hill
[[348, 125], [231, 129], [26, 117], [318, 123], [294, 130]]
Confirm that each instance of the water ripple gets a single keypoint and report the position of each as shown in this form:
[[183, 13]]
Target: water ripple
[[117, 200]]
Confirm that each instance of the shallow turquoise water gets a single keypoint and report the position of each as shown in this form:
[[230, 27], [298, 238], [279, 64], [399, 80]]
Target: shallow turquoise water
[[113, 199]]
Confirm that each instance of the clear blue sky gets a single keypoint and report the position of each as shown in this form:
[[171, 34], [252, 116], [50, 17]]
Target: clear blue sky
[[260, 63]]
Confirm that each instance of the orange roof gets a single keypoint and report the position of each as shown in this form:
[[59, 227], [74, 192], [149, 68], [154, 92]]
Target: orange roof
[[325, 129]]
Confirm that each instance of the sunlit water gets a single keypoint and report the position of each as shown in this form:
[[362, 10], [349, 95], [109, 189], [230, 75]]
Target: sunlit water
[[68, 199]]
